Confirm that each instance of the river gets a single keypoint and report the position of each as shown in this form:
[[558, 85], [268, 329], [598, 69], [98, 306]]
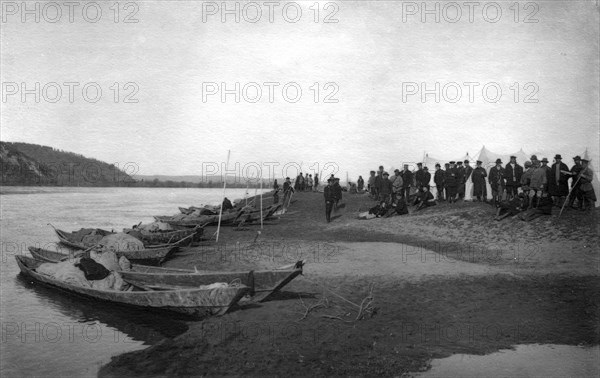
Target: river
[[50, 333]]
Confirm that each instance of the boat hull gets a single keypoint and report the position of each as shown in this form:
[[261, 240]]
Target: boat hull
[[193, 302]]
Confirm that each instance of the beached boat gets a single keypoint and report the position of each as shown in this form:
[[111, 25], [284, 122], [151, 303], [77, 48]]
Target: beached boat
[[262, 283], [167, 237], [90, 237], [191, 301], [154, 256]]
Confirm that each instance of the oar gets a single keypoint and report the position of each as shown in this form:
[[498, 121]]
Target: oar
[[569, 195]]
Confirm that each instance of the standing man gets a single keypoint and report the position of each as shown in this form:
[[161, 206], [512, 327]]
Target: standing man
[[461, 175], [337, 192], [371, 185], [316, 182], [385, 191], [329, 199], [576, 193], [451, 182], [396, 185], [496, 180], [587, 175], [287, 192], [407, 178], [419, 176], [513, 172], [360, 183], [309, 183], [446, 167], [558, 182], [426, 176], [438, 179], [378, 180], [479, 187]]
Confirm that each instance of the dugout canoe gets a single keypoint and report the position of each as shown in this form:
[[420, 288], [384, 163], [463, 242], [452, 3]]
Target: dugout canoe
[[197, 302], [75, 240], [167, 237], [155, 256], [262, 283]]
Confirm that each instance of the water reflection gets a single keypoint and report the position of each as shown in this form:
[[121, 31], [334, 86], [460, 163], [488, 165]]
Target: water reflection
[[139, 325]]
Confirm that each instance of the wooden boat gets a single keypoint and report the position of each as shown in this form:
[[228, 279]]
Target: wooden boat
[[167, 237], [191, 301], [203, 210], [203, 220], [155, 256], [262, 283], [75, 240]]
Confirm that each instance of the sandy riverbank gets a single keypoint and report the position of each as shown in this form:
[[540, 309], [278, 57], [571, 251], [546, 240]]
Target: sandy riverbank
[[447, 280]]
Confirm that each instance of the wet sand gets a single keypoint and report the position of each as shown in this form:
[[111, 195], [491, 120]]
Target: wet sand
[[446, 280]]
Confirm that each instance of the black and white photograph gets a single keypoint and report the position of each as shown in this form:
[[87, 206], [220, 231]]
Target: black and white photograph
[[300, 188]]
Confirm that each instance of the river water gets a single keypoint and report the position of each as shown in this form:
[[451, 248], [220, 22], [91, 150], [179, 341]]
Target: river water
[[49, 333]]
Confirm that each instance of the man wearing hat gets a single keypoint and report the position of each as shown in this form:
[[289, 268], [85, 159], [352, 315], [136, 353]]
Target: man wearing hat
[[329, 194], [337, 191], [496, 179], [419, 179], [407, 181], [426, 176], [438, 179], [538, 179], [513, 172], [287, 191], [451, 182], [396, 185], [385, 191], [479, 187], [460, 180], [424, 198], [586, 176], [558, 182], [576, 193]]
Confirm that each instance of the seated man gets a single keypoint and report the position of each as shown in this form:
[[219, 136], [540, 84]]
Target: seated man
[[227, 204], [398, 208], [511, 208], [424, 198], [544, 207], [379, 210]]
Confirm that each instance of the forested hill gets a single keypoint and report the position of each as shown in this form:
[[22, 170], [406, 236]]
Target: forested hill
[[32, 164]]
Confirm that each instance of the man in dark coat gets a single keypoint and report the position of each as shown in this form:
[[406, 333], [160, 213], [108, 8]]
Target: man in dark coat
[[479, 187], [385, 191], [451, 181], [461, 175], [513, 173], [419, 179], [337, 192], [496, 180], [287, 192], [576, 193], [438, 178], [424, 198], [558, 182], [407, 179], [329, 194], [426, 176], [378, 180], [446, 167]]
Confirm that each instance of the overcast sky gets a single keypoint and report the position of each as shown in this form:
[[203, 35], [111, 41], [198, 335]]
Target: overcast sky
[[369, 60]]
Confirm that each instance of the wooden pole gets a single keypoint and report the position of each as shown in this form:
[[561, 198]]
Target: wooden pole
[[224, 186], [261, 205]]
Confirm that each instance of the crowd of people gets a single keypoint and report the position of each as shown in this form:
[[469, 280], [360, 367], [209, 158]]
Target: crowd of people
[[534, 188]]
